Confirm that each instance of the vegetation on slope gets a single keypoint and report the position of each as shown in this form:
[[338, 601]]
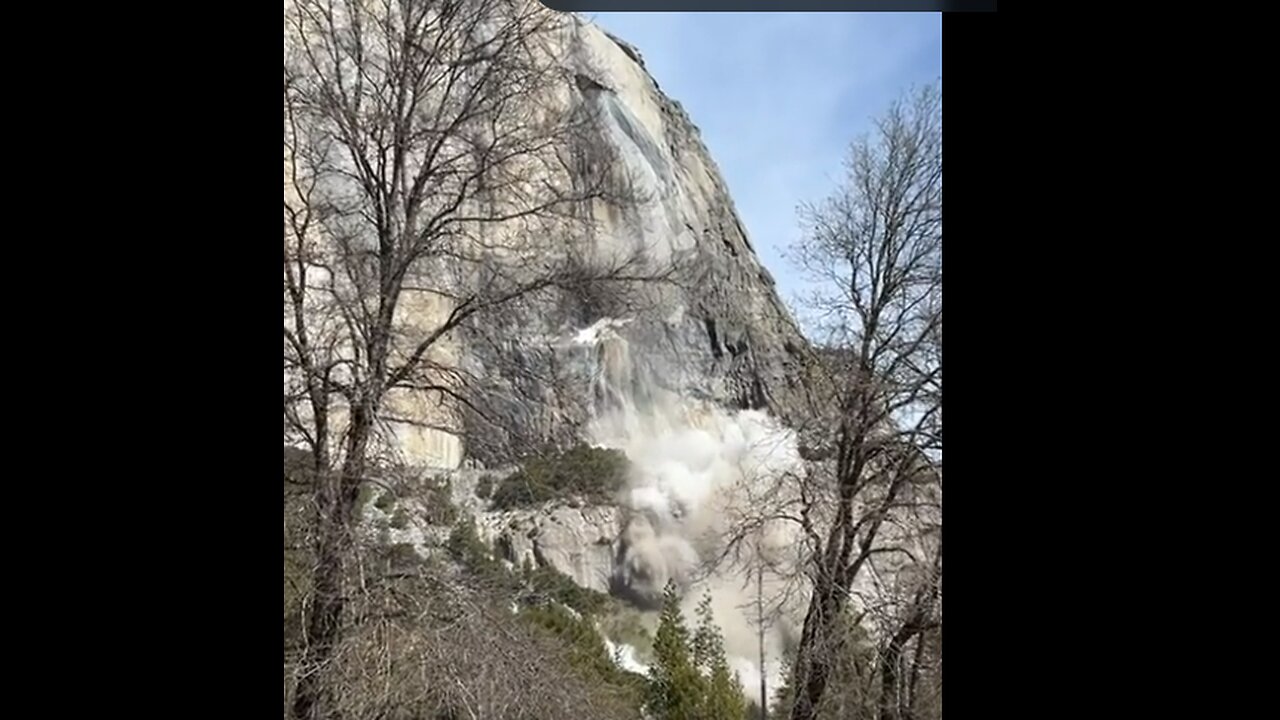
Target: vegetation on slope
[[594, 475], [587, 651], [430, 638], [625, 625], [529, 585], [297, 545], [553, 605]]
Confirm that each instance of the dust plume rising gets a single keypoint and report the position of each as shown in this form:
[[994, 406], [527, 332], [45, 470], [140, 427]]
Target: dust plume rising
[[697, 470]]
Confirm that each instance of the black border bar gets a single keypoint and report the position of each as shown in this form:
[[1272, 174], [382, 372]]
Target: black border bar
[[772, 5]]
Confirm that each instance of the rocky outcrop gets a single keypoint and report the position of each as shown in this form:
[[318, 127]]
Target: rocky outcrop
[[580, 542], [576, 539]]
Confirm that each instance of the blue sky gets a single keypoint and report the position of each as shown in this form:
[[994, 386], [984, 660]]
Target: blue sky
[[779, 97]]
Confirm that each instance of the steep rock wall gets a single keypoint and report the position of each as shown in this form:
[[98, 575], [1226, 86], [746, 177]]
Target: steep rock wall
[[717, 332]]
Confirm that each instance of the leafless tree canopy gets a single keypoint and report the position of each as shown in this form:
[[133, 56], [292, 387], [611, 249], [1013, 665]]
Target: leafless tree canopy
[[433, 172], [437, 169], [423, 643], [875, 249], [852, 540]]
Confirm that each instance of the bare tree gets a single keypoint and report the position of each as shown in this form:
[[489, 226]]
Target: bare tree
[[425, 641], [437, 169], [898, 682], [874, 248]]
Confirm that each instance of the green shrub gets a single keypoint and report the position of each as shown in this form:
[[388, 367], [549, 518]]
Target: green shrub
[[385, 501], [626, 625], [298, 467], [484, 488], [468, 550], [400, 520], [551, 584], [440, 509], [367, 491], [465, 545], [594, 474], [588, 652]]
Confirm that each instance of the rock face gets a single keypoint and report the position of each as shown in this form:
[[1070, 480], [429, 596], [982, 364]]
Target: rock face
[[719, 332], [714, 331], [580, 542]]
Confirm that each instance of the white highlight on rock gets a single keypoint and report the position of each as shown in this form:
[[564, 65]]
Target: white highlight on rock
[[592, 334], [624, 656]]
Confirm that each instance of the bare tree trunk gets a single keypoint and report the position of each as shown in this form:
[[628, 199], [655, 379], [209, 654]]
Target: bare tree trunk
[[908, 710], [917, 621], [310, 700], [764, 690], [831, 588], [337, 495], [889, 666], [813, 659]]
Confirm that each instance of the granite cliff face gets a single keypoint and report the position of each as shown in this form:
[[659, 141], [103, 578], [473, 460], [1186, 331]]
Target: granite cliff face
[[694, 378], [718, 332], [715, 331]]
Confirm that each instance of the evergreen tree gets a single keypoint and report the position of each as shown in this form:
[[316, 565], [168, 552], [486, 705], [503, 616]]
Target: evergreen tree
[[676, 689], [785, 694], [722, 699], [706, 640]]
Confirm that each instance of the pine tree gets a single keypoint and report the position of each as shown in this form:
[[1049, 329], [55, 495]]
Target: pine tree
[[706, 640], [676, 689], [723, 698], [785, 694]]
